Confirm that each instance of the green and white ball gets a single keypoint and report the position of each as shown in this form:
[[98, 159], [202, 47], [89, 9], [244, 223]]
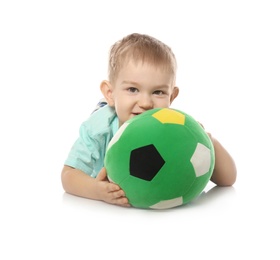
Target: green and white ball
[[162, 158]]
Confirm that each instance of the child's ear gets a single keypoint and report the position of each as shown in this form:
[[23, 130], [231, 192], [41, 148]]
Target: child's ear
[[107, 91], [174, 94]]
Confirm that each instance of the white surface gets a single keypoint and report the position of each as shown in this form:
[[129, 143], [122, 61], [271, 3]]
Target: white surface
[[53, 55]]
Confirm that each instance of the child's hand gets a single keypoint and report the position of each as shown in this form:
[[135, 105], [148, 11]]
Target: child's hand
[[110, 192], [209, 134]]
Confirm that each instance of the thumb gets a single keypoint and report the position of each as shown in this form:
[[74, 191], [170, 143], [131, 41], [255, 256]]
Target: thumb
[[102, 175]]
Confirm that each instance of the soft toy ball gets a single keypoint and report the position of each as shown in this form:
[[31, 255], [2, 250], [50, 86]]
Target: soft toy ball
[[162, 158]]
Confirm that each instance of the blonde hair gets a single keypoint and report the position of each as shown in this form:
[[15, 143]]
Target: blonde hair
[[141, 48]]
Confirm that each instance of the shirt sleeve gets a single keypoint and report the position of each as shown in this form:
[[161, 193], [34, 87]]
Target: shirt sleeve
[[88, 152], [85, 153]]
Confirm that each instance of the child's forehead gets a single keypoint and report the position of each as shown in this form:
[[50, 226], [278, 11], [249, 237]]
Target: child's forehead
[[145, 73], [133, 62], [145, 62], [134, 67]]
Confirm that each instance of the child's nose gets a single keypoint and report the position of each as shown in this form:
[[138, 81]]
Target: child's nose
[[145, 102]]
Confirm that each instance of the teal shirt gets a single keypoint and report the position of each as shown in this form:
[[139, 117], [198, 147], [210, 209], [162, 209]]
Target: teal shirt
[[88, 152]]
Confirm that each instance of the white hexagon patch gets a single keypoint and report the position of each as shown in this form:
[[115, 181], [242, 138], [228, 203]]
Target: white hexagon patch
[[166, 204], [201, 160]]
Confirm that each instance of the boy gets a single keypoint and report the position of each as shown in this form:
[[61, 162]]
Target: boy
[[141, 76]]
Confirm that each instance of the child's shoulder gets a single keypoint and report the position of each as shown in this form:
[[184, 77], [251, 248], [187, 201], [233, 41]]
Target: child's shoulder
[[100, 120]]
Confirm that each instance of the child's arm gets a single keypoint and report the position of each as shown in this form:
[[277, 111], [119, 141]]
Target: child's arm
[[224, 173], [78, 183]]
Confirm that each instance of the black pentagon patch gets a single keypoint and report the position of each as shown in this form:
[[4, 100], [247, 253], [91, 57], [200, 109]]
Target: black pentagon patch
[[145, 162]]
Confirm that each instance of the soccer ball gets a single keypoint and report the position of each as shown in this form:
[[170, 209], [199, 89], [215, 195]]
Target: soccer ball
[[162, 158]]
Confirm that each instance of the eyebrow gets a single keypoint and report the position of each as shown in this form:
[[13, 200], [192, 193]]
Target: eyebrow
[[135, 83]]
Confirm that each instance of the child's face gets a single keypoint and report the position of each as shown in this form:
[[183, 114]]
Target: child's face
[[140, 87]]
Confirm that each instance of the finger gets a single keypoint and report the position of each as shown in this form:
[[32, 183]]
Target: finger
[[125, 205], [102, 175], [123, 201], [115, 194], [201, 125], [111, 187], [118, 194]]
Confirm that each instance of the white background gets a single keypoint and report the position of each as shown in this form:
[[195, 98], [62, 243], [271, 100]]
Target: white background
[[53, 55]]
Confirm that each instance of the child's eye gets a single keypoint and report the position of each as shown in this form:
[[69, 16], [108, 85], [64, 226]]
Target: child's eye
[[132, 90], [158, 92]]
